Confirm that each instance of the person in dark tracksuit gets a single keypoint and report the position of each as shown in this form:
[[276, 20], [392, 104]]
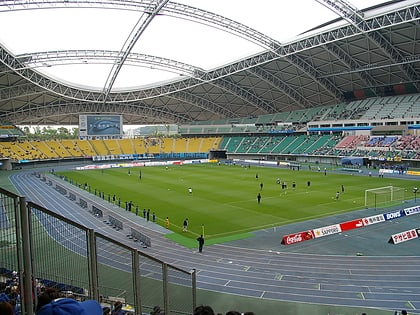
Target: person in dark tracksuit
[[200, 240]]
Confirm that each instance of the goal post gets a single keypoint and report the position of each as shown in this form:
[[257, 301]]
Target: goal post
[[384, 196]]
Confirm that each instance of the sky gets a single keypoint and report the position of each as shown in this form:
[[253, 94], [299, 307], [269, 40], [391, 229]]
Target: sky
[[168, 37]]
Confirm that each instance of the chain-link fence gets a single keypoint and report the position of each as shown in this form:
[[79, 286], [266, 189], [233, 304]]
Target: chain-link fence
[[60, 253]]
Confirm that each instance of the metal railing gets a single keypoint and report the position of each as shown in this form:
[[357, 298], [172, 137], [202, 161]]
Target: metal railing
[[58, 252]]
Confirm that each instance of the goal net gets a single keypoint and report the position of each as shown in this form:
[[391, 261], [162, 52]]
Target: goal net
[[382, 197]]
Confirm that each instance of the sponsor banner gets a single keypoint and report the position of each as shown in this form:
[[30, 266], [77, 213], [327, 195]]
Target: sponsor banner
[[412, 210], [297, 237], [413, 173], [418, 232], [393, 215], [327, 230], [373, 219], [388, 171], [141, 163], [404, 236], [350, 225]]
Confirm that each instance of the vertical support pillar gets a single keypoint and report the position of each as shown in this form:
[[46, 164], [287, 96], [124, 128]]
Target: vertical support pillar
[[27, 277], [92, 265], [136, 282], [165, 288], [194, 288]]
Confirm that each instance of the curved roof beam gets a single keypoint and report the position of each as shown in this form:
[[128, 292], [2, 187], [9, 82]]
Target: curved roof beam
[[248, 96], [29, 115], [346, 10], [356, 18], [274, 81], [50, 58], [405, 60], [180, 11], [395, 16], [63, 57], [19, 91], [71, 57], [18, 67], [203, 103], [410, 13], [351, 63], [315, 74], [141, 25], [383, 43], [171, 9]]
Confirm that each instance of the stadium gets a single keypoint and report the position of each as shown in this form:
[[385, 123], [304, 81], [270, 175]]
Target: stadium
[[298, 163]]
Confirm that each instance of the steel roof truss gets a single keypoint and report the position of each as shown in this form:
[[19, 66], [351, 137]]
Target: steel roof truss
[[275, 82]]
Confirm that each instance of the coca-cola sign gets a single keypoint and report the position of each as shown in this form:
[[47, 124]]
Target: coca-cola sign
[[297, 237]]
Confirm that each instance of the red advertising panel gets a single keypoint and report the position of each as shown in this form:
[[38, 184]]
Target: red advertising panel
[[297, 237], [350, 225]]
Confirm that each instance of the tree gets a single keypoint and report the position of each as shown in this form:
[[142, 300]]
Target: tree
[[48, 133], [75, 133], [63, 133]]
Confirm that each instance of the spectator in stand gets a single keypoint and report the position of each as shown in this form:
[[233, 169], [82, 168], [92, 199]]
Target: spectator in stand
[[203, 310], [47, 295], [12, 295], [4, 297], [67, 306], [6, 308], [117, 310]]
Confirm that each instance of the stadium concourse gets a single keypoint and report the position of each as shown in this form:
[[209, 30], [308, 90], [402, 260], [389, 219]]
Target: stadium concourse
[[358, 268]]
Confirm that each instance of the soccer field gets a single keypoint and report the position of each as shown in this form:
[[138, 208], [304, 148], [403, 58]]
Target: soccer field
[[223, 201]]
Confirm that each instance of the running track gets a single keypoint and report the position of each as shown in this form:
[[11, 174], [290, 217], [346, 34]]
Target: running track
[[269, 270]]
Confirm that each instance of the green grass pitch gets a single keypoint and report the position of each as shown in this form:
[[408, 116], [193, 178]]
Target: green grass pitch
[[224, 198]]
